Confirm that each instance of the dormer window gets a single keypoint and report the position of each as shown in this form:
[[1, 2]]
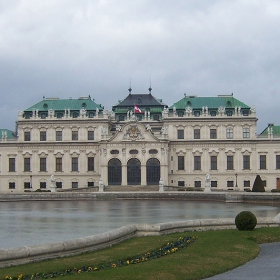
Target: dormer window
[[44, 115], [180, 114], [228, 104]]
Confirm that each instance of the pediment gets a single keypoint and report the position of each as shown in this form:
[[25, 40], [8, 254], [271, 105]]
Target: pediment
[[133, 131]]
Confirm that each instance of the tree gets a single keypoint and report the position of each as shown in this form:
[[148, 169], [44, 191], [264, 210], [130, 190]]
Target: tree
[[258, 185]]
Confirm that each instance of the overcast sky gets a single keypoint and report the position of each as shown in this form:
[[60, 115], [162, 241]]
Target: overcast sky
[[70, 48]]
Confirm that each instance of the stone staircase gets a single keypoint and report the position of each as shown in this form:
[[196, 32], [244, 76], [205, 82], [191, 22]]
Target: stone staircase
[[131, 188]]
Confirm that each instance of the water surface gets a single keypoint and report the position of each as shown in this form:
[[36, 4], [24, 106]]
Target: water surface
[[27, 223]]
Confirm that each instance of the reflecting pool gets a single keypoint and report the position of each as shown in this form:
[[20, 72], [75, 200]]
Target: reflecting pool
[[36, 222]]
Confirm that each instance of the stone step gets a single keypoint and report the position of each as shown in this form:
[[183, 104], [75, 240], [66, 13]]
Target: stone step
[[131, 188]]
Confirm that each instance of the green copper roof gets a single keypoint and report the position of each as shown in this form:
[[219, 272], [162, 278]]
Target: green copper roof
[[10, 134], [62, 104], [275, 130], [227, 101]]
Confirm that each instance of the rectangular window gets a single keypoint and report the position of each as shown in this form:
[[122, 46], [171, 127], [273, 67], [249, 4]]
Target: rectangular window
[[91, 135], [58, 136], [197, 162], [213, 162], [213, 133], [246, 162], [27, 185], [180, 134], [277, 161], [12, 164], [75, 164], [230, 184], [214, 184], [43, 136], [43, 185], [181, 163], [58, 185], [75, 185], [181, 183], [26, 165], [27, 136], [229, 133], [246, 184], [196, 133], [75, 136], [90, 163], [262, 161], [230, 163], [197, 184], [246, 133], [90, 184], [43, 164], [12, 185], [58, 164]]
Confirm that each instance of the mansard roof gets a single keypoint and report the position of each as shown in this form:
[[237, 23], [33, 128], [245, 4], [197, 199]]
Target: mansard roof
[[227, 101], [271, 129], [7, 134], [62, 104], [141, 100]]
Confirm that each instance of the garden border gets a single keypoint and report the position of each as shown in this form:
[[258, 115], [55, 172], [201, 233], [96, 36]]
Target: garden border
[[29, 254]]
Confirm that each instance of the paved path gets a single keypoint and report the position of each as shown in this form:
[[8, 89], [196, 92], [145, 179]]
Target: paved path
[[265, 267]]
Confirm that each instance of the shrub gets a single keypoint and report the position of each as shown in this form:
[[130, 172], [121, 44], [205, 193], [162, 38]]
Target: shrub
[[275, 190], [245, 220], [258, 185]]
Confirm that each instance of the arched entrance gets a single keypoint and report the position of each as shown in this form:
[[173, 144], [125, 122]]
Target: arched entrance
[[153, 171], [114, 172], [133, 172]]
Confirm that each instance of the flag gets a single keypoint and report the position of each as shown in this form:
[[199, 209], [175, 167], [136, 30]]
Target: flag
[[137, 109]]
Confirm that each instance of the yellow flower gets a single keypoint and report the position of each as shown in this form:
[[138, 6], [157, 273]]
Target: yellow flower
[[79, 271], [114, 265], [20, 277], [89, 268], [95, 268], [127, 262]]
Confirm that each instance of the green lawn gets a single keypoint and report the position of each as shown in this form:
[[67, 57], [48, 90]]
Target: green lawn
[[212, 253]]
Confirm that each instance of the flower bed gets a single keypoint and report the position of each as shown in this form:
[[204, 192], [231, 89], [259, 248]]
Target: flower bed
[[169, 248]]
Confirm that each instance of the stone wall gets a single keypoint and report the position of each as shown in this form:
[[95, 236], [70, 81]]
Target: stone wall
[[22, 255]]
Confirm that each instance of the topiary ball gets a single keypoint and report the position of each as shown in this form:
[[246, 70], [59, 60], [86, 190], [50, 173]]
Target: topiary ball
[[245, 220]]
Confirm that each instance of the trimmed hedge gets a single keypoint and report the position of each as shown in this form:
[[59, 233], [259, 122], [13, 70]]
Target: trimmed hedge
[[245, 220]]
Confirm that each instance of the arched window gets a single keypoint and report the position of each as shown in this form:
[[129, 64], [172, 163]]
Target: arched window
[[133, 172], [114, 172], [153, 171]]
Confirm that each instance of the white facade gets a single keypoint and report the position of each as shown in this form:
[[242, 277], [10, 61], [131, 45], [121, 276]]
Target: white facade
[[78, 150]]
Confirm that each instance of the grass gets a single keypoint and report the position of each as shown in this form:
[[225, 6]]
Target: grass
[[214, 252]]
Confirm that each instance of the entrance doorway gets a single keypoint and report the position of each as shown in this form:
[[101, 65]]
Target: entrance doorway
[[153, 171], [133, 172], [114, 172]]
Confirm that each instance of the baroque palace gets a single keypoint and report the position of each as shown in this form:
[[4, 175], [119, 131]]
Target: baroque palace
[[138, 142]]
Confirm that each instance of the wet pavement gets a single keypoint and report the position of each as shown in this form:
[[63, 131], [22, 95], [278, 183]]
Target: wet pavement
[[265, 267]]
